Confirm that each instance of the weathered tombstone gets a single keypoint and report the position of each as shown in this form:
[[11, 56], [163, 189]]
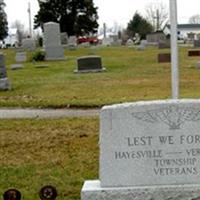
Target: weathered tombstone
[[48, 192], [148, 150], [87, 64], [164, 57], [52, 42], [4, 82], [29, 44], [196, 43], [20, 57], [72, 43], [63, 38], [12, 194]]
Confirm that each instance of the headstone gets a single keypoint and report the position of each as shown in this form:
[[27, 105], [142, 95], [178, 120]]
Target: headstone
[[63, 38], [194, 52], [29, 44], [196, 43], [12, 194], [148, 150], [87, 64], [164, 57], [4, 82], [107, 41], [20, 57], [142, 46], [52, 42], [129, 42], [72, 43]]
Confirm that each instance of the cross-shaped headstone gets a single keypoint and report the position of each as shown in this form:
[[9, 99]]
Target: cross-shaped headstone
[[174, 49]]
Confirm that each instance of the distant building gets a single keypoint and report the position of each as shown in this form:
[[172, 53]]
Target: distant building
[[185, 31]]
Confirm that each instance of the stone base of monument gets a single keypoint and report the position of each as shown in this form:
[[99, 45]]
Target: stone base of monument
[[88, 64], [5, 84], [93, 191], [54, 53]]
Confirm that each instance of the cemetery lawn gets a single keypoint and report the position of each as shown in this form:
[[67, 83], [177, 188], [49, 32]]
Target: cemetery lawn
[[35, 153], [131, 75]]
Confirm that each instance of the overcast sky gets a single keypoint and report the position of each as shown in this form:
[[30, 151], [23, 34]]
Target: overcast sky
[[110, 11]]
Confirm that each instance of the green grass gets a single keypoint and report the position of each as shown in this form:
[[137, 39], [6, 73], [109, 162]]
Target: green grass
[[34, 153], [131, 75]]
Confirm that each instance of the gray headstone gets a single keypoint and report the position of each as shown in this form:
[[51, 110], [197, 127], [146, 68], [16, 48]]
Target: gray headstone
[[72, 43], [29, 44], [3, 73], [89, 64], [144, 139], [63, 38], [52, 41], [148, 150], [4, 82]]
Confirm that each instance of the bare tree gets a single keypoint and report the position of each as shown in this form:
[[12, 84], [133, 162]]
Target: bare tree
[[195, 19], [157, 14]]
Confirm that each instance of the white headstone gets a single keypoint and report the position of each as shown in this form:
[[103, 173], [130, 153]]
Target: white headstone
[[145, 146], [150, 143]]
